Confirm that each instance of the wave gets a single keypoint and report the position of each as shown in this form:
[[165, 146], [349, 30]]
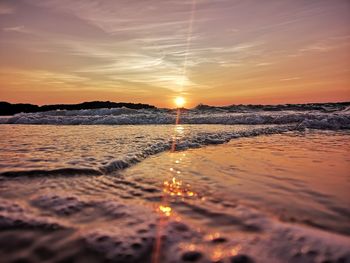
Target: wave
[[324, 107], [182, 143], [334, 118], [260, 122]]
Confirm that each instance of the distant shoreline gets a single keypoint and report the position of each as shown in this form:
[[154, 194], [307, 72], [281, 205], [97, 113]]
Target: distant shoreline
[[7, 109]]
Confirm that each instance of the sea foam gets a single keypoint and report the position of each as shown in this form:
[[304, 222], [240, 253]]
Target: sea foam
[[317, 119]]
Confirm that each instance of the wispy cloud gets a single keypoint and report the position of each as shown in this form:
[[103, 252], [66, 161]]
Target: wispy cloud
[[126, 16], [325, 45], [6, 9], [42, 76], [19, 29], [263, 64], [290, 79]]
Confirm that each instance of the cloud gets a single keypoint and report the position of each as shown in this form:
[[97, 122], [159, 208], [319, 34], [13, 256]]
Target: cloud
[[19, 29], [41, 76], [290, 79], [263, 64], [127, 16], [6, 9], [318, 47], [324, 45]]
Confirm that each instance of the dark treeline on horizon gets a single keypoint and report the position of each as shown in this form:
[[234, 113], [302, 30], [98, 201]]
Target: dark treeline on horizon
[[7, 108]]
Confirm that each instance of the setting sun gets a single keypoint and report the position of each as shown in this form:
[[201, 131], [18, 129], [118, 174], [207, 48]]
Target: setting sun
[[179, 102]]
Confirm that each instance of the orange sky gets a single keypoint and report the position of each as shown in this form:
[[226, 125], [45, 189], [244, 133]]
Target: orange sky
[[212, 52]]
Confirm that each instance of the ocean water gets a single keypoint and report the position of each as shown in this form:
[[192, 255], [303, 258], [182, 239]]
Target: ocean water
[[269, 187]]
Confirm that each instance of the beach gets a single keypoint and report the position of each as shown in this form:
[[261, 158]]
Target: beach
[[174, 131], [175, 193]]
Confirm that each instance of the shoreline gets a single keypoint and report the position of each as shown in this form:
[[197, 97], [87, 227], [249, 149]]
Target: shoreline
[[218, 202]]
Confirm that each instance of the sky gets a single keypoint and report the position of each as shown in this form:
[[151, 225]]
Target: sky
[[215, 52]]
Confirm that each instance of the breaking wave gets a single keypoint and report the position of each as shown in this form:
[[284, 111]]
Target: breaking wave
[[322, 118], [90, 156], [131, 157]]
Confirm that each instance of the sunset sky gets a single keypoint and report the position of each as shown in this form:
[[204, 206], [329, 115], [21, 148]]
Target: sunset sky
[[209, 51]]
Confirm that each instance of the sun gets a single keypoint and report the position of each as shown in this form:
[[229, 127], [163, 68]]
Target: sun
[[179, 102]]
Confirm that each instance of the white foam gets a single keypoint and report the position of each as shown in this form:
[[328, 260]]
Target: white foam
[[128, 152], [128, 232], [121, 116]]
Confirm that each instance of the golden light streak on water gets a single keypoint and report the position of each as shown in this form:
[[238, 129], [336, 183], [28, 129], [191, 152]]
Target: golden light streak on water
[[176, 187], [234, 251], [178, 129], [166, 210], [173, 188]]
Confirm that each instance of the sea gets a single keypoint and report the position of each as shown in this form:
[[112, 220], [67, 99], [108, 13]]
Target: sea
[[210, 184]]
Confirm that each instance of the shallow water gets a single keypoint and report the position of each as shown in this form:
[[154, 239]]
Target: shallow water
[[96, 148], [303, 177], [268, 198]]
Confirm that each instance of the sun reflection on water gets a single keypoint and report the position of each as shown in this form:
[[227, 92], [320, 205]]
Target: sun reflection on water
[[175, 187], [172, 189], [166, 210]]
